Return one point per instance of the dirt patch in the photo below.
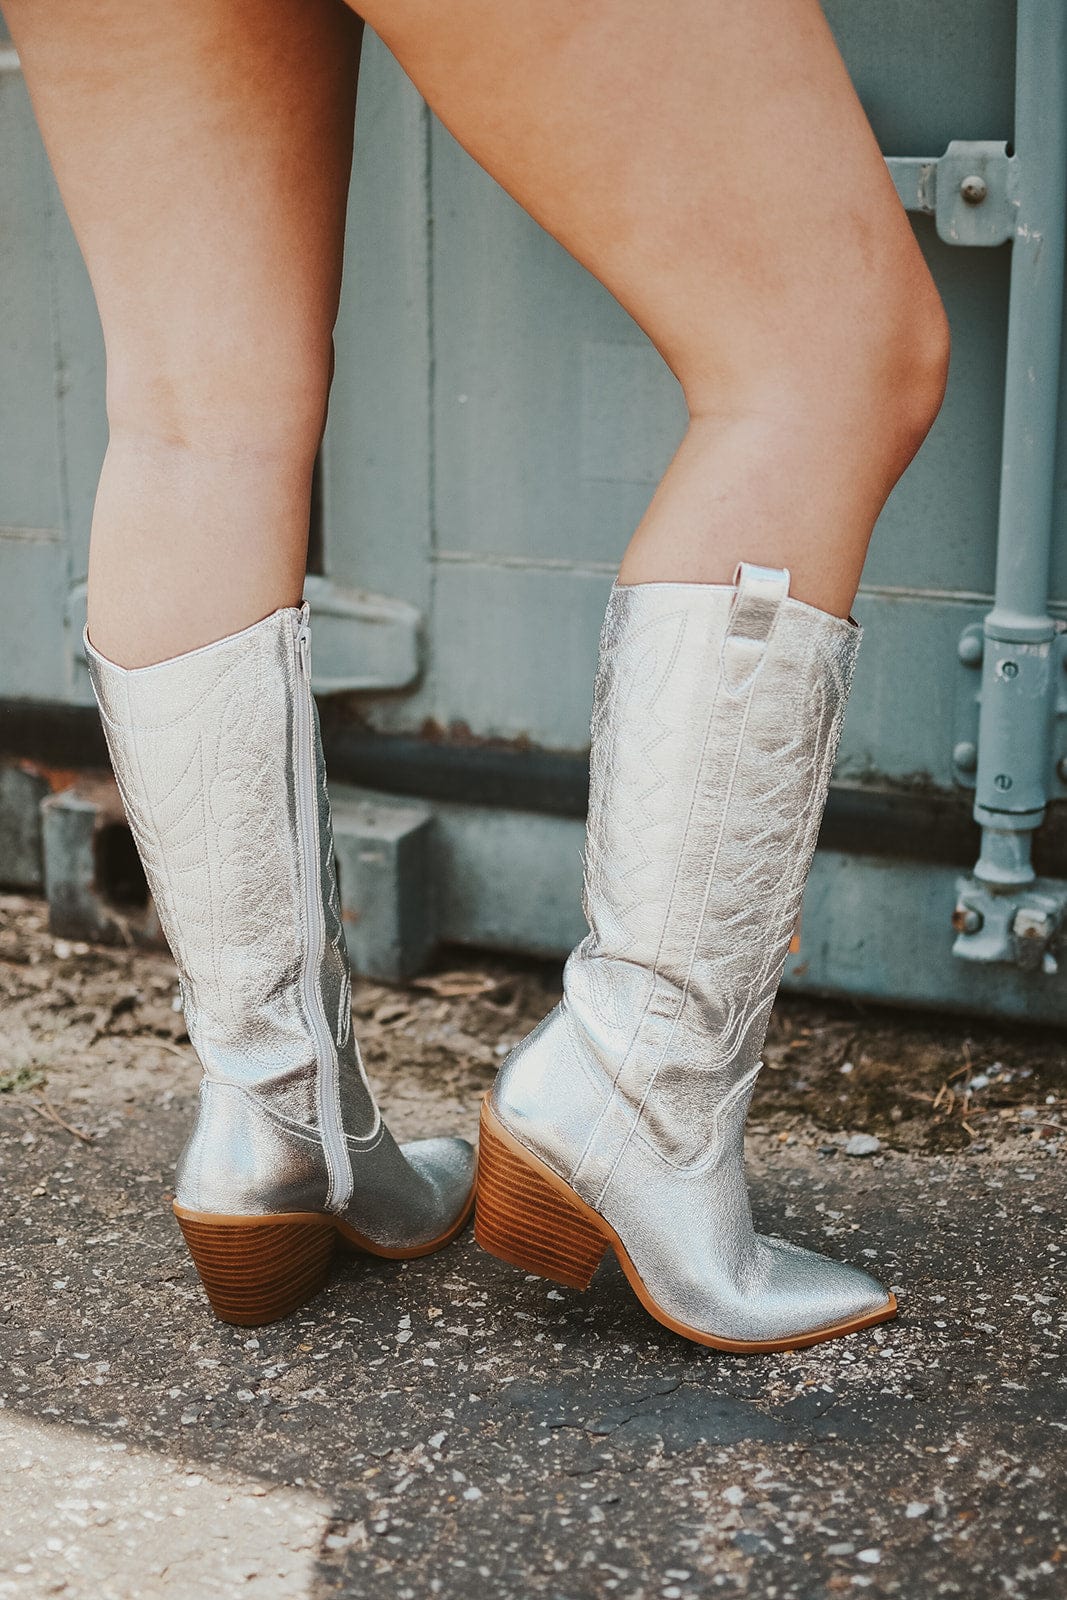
(921, 1083)
(79, 1021)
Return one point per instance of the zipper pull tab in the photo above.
(303, 638)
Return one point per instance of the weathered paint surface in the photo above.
(498, 426)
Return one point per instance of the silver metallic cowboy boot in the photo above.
(619, 1121)
(219, 760)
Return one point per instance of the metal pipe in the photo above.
(1019, 660)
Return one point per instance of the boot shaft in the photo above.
(218, 757)
(219, 762)
(717, 715)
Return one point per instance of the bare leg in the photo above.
(711, 164)
(203, 154)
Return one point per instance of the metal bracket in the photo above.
(362, 643)
(972, 191)
(970, 650)
(998, 917)
(1020, 928)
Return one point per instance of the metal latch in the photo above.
(968, 702)
(1021, 928)
(972, 191)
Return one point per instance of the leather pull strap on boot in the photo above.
(620, 1120)
(219, 762)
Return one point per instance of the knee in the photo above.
(908, 370)
(884, 364)
(859, 360)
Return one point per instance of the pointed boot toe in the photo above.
(448, 1166)
(806, 1297)
(411, 1199)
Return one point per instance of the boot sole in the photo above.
(531, 1218)
(258, 1269)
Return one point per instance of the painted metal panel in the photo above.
(927, 74)
(33, 555)
(377, 456)
(498, 426)
(878, 929)
(552, 417)
(52, 421)
(31, 484)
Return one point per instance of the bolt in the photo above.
(974, 189)
(1030, 923)
(1009, 669)
(971, 648)
(965, 755)
(1002, 781)
(965, 919)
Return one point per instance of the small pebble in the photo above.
(863, 1144)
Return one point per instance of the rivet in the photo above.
(974, 189)
(1002, 781)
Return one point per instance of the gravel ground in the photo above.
(451, 1428)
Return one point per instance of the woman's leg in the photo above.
(709, 161)
(711, 164)
(203, 154)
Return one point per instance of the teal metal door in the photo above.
(497, 428)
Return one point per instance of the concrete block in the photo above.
(93, 878)
(22, 788)
(385, 869)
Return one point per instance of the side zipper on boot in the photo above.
(334, 1148)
